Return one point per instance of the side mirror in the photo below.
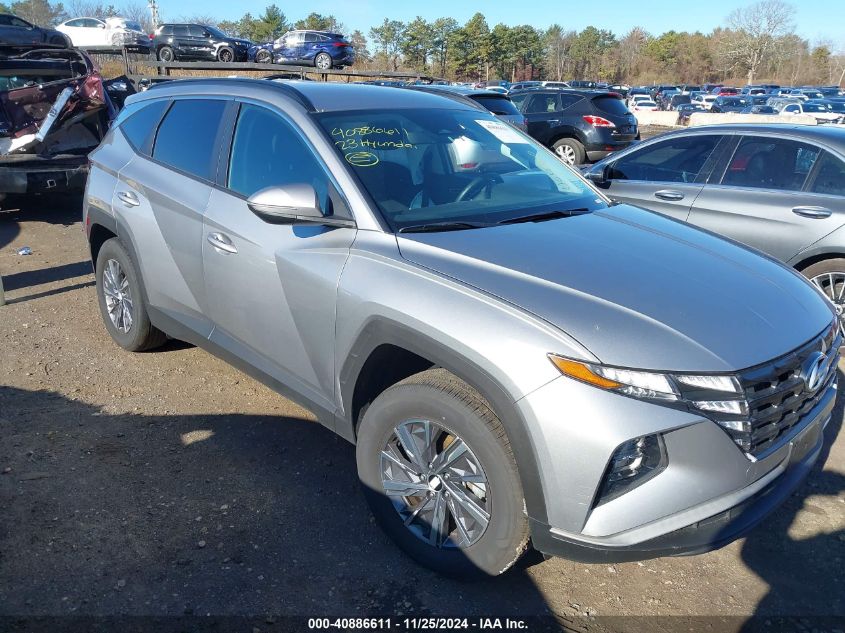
(292, 204)
(101, 26)
(600, 176)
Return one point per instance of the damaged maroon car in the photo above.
(54, 109)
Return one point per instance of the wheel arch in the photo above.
(566, 132)
(807, 259)
(407, 352)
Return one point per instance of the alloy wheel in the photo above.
(118, 296)
(833, 286)
(166, 55)
(226, 55)
(436, 484)
(324, 62)
(566, 154)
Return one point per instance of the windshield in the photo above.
(216, 32)
(424, 166)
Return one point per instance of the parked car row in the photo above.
(362, 249)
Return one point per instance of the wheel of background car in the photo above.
(323, 61)
(439, 475)
(570, 151)
(116, 39)
(122, 304)
(165, 54)
(829, 276)
(263, 57)
(225, 55)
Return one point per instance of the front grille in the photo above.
(778, 395)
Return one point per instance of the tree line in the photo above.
(757, 42)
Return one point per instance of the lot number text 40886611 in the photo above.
(417, 624)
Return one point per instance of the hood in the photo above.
(636, 288)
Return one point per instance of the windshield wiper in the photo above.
(434, 227)
(545, 215)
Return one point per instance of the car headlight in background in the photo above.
(716, 393)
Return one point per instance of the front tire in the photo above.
(439, 475)
(829, 276)
(323, 61)
(122, 303)
(263, 57)
(570, 151)
(226, 55)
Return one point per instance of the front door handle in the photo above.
(669, 194)
(812, 212)
(128, 198)
(221, 242)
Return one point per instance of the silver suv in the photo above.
(518, 361)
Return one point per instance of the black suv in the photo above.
(579, 125)
(198, 42)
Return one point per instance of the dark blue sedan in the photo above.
(320, 49)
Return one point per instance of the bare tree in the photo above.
(754, 33)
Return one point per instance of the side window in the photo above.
(180, 31)
(195, 30)
(519, 100)
(792, 108)
(141, 125)
(167, 30)
(567, 100)
(311, 37)
(267, 151)
(770, 163)
(541, 104)
(830, 176)
(186, 138)
(674, 160)
(20, 23)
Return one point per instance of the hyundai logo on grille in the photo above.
(813, 371)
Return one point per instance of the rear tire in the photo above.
(263, 57)
(323, 61)
(483, 544)
(127, 322)
(570, 151)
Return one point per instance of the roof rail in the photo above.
(289, 90)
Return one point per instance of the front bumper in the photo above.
(709, 495)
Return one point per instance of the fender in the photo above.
(380, 331)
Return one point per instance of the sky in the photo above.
(656, 16)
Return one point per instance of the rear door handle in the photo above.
(221, 242)
(668, 194)
(128, 198)
(812, 212)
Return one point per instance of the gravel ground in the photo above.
(168, 483)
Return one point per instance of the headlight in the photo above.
(720, 394)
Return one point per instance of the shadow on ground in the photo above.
(228, 515)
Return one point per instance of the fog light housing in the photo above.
(632, 464)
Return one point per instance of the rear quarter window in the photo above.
(498, 105)
(140, 125)
(610, 105)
